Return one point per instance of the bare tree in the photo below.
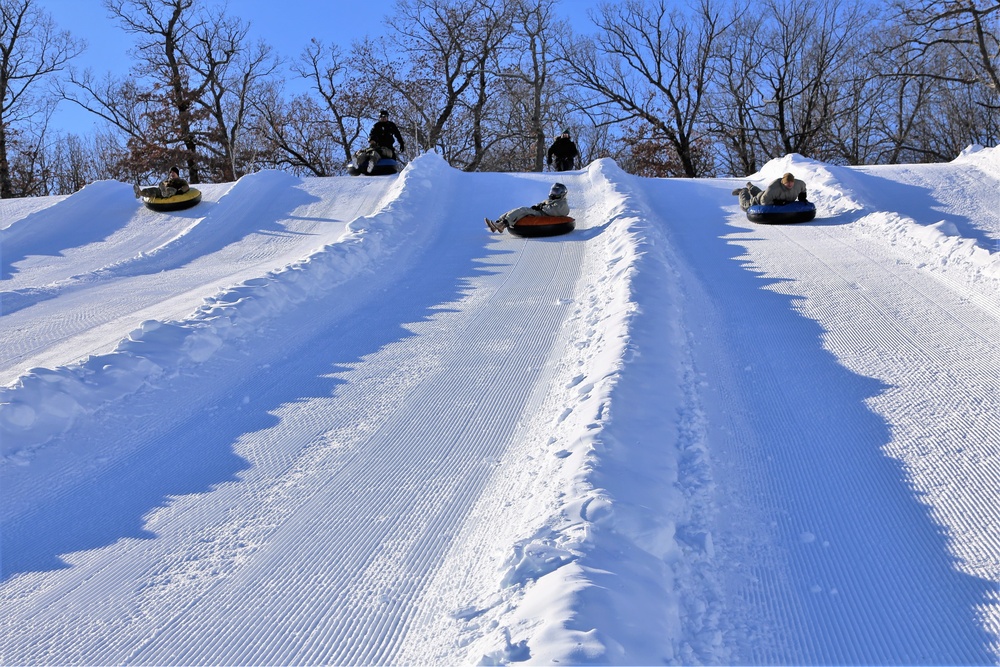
(733, 102)
(233, 72)
(30, 169)
(652, 63)
(855, 134)
(187, 97)
(429, 60)
(74, 164)
(494, 25)
(882, 110)
(532, 49)
(294, 135)
(32, 49)
(800, 76)
(165, 28)
(967, 30)
(345, 96)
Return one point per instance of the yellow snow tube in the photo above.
(175, 203)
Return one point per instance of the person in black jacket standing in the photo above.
(384, 132)
(564, 151)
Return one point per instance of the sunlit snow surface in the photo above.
(336, 421)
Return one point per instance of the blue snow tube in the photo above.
(386, 165)
(383, 167)
(782, 214)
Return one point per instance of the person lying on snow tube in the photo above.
(555, 205)
(780, 191)
(172, 185)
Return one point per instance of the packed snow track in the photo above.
(336, 421)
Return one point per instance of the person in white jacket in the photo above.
(556, 204)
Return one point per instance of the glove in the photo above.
(537, 207)
(802, 196)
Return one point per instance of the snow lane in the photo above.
(406, 470)
(938, 352)
(920, 346)
(73, 306)
(320, 554)
(839, 534)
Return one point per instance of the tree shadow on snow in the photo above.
(919, 204)
(111, 505)
(198, 453)
(219, 224)
(863, 575)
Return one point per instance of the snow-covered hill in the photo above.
(335, 421)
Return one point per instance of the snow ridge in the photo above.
(32, 233)
(671, 436)
(44, 403)
(613, 547)
(844, 193)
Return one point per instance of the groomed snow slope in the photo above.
(335, 421)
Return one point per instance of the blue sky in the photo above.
(288, 31)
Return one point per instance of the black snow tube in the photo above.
(782, 214)
(543, 225)
(175, 203)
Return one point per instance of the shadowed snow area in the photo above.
(336, 421)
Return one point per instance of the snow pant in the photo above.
(161, 192)
(749, 196)
(564, 163)
(366, 158)
(513, 215)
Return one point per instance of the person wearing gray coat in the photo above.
(781, 191)
(556, 205)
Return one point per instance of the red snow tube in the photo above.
(543, 225)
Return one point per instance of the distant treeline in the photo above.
(684, 89)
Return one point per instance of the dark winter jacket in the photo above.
(384, 132)
(563, 148)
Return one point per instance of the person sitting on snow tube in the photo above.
(780, 191)
(366, 158)
(555, 205)
(173, 185)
